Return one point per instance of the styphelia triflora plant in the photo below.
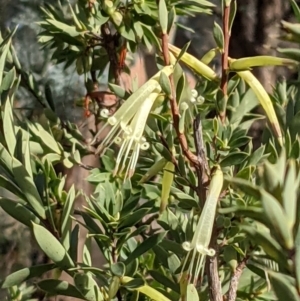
(184, 208)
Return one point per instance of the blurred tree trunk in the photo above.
(255, 32)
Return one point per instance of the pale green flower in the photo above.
(198, 248)
(128, 125)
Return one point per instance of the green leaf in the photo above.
(6, 162)
(218, 35)
(164, 280)
(230, 257)
(11, 187)
(8, 79)
(163, 16)
(134, 284)
(171, 18)
(4, 52)
(74, 239)
(52, 247)
(147, 290)
(292, 53)
(257, 155)
(297, 257)
(119, 91)
(26, 160)
(86, 284)
(183, 51)
(49, 96)
(234, 159)
(19, 212)
(221, 100)
(289, 194)
(40, 134)
(233, 10)
(66, 218)
(138, 30)
(59, 287)
(162, 150)
(277, 218)
(165, 83)
(87, 259)
(255, 213)
(114, 287)
(67, 29)
(20, 276)
(118, 269)
(248, 102)
(282, 287)
(8, 127)
(146, 245)
(180, 88)
(128, 33)
(296, 9)
(133, 218)
(246, 172)
(245, 186)
(267, 242)
(26, 184)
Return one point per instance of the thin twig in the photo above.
(175, 109)
(212, 269)
(203, 168)
(224, 79)
(234, 281)
(109, 44)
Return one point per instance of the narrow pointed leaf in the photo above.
(282, 287)
(296, 9)
(3, 56)
(17, 278)
(59, 287)
(52, 247)
(8, 127)
(66, 219)
(277, 218)
(163, 16)
(145, 246)
(26, 184)
(19, 212)
(147, 290)
(167, 181)
(218, 35)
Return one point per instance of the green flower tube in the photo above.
(199, 246)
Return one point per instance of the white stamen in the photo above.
(104, 113)
(194, 93)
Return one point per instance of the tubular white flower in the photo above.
(199, 246)
(128, 124)
(132, 137)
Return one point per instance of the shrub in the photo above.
(184, 207)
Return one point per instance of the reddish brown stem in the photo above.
(175, 109)
(224, 79)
